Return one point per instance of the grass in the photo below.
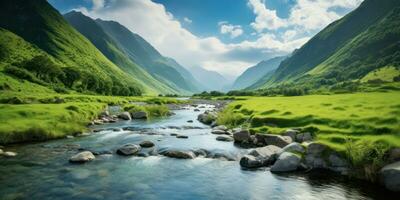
(373, 117)
(38, 122)
(152, 110)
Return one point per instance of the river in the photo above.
(42, 171)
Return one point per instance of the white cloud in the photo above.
(187, 20)
(159, 27)
(233, 30)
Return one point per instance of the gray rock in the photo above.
(260, 157)
(224, 138)
(241, 136)
(207, 117)
(277, 140)
(286, 162)
(196, 110)
(394, 155)
(221, 156)
(182, 136)
(201, 152)
(338, 164)
(304, 137)
(291, 133)
(129, 149)
(9, 154)
(220, 127)
(189, 121)
(294, 147)
(249, 161)
(125, 116)
(173, 134)
(218, 132)
(69, 137)
(390, 176)
(146, 144)
(139, 115)
(82, 157)
(180, 154)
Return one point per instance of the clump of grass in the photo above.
(152, 110)
(230, 118)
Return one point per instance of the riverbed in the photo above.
(42, 170)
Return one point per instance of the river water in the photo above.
(42, 171)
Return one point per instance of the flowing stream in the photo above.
(42, 171)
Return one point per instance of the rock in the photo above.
(249, 161)
(224, 138)
(9, 154)
(260, 157)
(304, 137)
(314, 155)
(338, 164)
(1, 151)
(82, 157)
(390, 176)
(241, 136)
(117, 129)
(207, 117)
(201, 152)
(196, 110)
(316, 148)
(394, 155)
(220, 127)
(222, 156)
(179, 154)
(218, 132)
(125, 116)
(189, 121)
(129, 149)
(286, 162)
(69, 137)
(146, 144)
(139, 115)
(104, 113)
(277, 140)
(182, 136)
(294, 148)
(291, 133)
(173, 134)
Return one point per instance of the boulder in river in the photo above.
(394, 155)
(260, 157)
(125, 116)
(189, 121)
(390, 176)
(218, 132)
(286, 162)
(241, 136)
(277, 140)
(128, 149)
(304, 137)
(207, 117)
(224, 138)
(182, 136)
(179, 154)
(146, 144)
(82, 157)
(9, 154)
(139, 115)
(291, 133)
(294, 148)
(220, 127)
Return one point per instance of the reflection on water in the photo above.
(42, 171)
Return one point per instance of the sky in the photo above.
(226, 36)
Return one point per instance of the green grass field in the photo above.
(335, 119)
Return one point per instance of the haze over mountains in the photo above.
(103, 57)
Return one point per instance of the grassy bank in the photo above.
(355, 124)
(26, 117)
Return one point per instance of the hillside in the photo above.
(91, 30)
(85, 67)
(211, 80)
(348, 49)
(145, 55)
(255, 73)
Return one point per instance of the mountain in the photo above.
(111, 49)
(254, 73)
(211, 80)
(73, 59)
(144, 54)
(348, 49)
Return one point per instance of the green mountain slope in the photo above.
(91, 30)
(255, 73)
(39, 23)
(142, 53)
(347, 49)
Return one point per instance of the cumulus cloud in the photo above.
(187, 20)
(233, 30)
(159, 27)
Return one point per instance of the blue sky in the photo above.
(226, 36)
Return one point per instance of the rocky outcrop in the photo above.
(139, 115)
(314, 156)
(260, 157)
(129, 149)
(390, 176)
(286, 162)
(179, 154)
(298, 136)
(224, 138)
(125, 116)
(82, 157)
(207, 117)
